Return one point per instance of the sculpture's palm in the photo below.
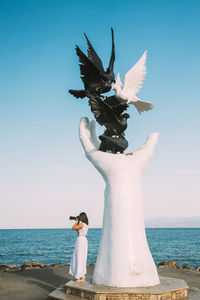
(124, 259)
(110, 161)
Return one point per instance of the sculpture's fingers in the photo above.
(85, 136)
(151, 141)
(145, 153)
(94, 139)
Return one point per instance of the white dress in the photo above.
(79, 258)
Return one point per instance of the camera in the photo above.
(74, 218)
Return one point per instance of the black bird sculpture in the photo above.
(95, 79)
(108, 112)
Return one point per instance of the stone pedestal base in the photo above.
(168, 289)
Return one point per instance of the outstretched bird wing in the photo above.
(93, 56)
(118, 81)
(134, 78)
(90, 73)
(104, 113)
(112, 58)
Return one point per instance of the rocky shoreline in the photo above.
(39, 265)
(29, 265)
(173, 264)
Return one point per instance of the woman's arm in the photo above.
(77, 226)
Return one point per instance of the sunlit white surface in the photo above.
(124, 258)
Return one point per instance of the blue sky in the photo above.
(44, 175)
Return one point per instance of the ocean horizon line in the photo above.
(146, 227)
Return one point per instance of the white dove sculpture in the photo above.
(133, 81)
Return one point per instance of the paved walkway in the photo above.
(36, 284)
(32, 284)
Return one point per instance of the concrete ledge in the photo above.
(60, 294)
(168, 289)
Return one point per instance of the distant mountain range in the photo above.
(193, 222)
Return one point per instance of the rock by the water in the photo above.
(167, 264)
(197, 268)
(12, 266)
(179, 267)
(56, 265)
(187, 267)
(4, 268)
(30, 265)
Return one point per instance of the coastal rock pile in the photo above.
(167, 264)
(31, 265)
(38, 265)
(173, 264)
(5, 268)
(28, 265)
(187, 267)
(56, 265)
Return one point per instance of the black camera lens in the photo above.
(73, 218)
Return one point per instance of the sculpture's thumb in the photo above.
(145, 153)
(85, 136)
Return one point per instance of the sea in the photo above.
(50, 246)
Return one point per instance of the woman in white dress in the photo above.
(79, 258)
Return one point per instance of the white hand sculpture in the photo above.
(124, 258)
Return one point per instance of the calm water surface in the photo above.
(49, 246)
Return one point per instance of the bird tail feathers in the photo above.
(142, 105)
(78, 93)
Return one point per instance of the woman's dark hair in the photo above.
(84, 218)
